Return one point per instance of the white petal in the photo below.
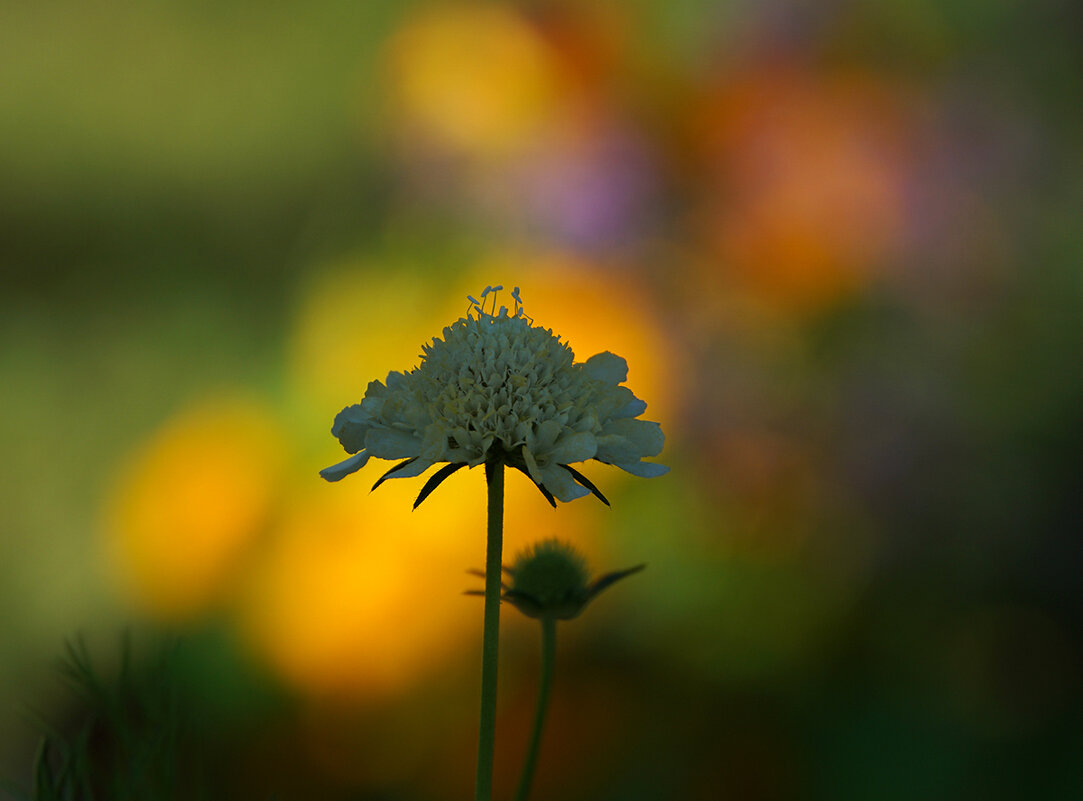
(644, 469)
(531, 464)
(389, 443)
(375, 389)
(350, 427)
(544, 436)
(645, 436)
(632, 408)
(560, 482)
(573, 448)
(337, 472)
(613, 448)
(607, 367)
(434, 443)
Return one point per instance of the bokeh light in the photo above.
(191, 502)
(442, 81)
(355, 324)
(356, 596)
(808, 181)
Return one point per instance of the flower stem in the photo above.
(549, 649)
(494, 475)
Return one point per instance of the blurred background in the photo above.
(839, 246)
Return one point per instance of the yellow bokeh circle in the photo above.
(475, 77)
(189, 503)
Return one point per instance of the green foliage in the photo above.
(132, 739)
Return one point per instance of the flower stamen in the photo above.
(520, 309)
(493, 290)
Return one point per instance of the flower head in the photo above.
(551, 580)
(499, 388)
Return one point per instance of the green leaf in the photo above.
(44, 788)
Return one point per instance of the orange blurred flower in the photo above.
(805, 182)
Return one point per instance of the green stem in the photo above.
(549, 649)
(494, 475)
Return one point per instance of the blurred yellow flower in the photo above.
(189, 503)
(352, 600)
(473, 77)
(355, 322)
(357, 597)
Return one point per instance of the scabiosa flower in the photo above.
(499, 388)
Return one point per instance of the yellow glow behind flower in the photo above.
(359, 597)
(346, 592)
(355, 325)
(189, 503)
(351, 601)
(594, 313)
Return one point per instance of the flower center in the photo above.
(497, 376)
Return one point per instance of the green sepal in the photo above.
(391, 473)
(608, 579)
(583, 481)
(436, 479)
(541, 487)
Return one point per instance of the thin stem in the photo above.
(494, 474)
(549, 649)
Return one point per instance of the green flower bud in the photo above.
(551, 580)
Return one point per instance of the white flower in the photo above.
(498, 388)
